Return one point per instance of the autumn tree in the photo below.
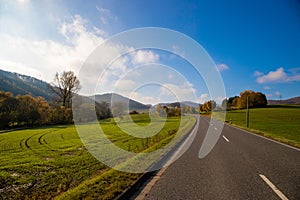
(65, 85)
(208, 106)
(177, 111)
(28, 110)
(232, 102)
(43, 109)
(8, 109)
(255, 100)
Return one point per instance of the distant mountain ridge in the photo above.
(181, 104)
(294, 100)
(19, 84)
(113, 97)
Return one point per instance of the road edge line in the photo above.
(264, 137)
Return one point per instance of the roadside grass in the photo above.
(280, 122)
(43, 163)
(113, 182)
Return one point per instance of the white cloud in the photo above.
(294, 78)
(106, 15)
(125, 85)
(267, 87)
(23, 1)
(144, 99)
(258, 73)
(222, 67)
(278, 76)
(273, 76)
(174, 92)
(220, 99)
(42, 58)
(203, 98)
(144, 57)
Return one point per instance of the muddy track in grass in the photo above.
(20, 143)
(24, 143)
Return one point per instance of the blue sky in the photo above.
(255, 44)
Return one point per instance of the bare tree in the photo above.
(65, 85)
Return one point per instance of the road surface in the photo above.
(241, 166)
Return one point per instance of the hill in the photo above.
(181, 104)
(295, 100)
(133, 105)
(19, 84)
(191, 104)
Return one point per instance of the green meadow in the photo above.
(281, 123)
(52, 162)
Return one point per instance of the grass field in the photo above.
(52, 162)
(281, 123)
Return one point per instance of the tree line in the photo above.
(207, 106)
(26, 110)
(174, 110)
(254, 99)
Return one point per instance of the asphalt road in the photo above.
(241, 166)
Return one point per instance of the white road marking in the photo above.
(273, 187)
(225, 138)
(291, 147)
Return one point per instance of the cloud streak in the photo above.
(277, 76)
(222, 67)
(144, 57)
(42, 58)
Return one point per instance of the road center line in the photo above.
(225, 138)
(273, 187)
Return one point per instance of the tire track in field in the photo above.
(20, 143)
(41, 141)
(26, 141)
(37, 143)
(48, 145)
(41, 137)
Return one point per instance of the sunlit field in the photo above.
(48, 162)
(279, 122)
